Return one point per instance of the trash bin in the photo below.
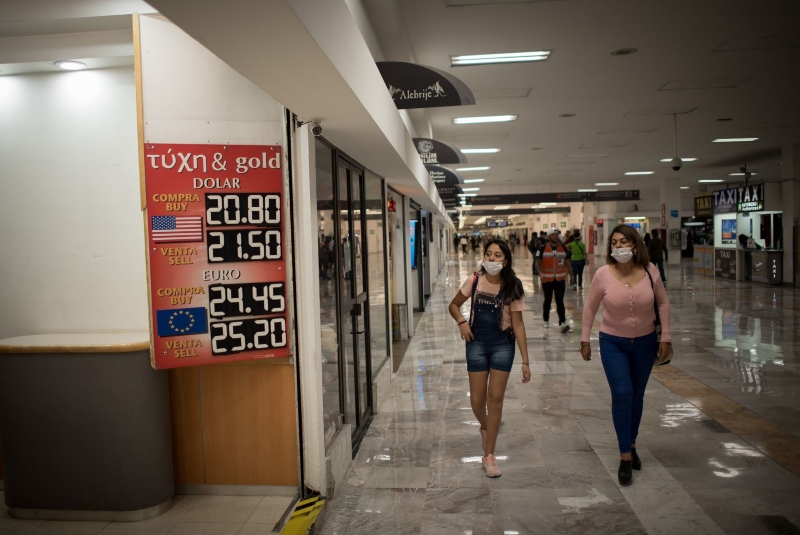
(399, 322)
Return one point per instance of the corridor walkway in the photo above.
(720, 436)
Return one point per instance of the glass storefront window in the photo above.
(376, 240)
(329, 263)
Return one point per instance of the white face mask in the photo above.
(623, 254)
(492, 268)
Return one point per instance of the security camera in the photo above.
(316, 129)
(677, 163)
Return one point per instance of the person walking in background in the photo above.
(658, 254)
(628, 287)
(495, 322)
(577, 258)
(553, 265)
(647, 239)
(512, 243)
(463, 244)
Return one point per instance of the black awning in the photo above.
(435, 152)
(418, 86)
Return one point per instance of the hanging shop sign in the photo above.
(725, 263)
(703, 205)
(725, 200)
(434, 152)
(571, 196)
(418, 86)
(447, 191)
(751, 198)
(216, 255)
(443, 175)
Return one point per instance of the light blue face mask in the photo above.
(492, 268)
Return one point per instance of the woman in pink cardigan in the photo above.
(628, 286)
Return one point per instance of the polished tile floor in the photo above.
(719, 441)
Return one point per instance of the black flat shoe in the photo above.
(625, 473)
(636, 462)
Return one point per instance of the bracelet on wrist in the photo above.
(585, 344)
(526, 363)
(460, 323)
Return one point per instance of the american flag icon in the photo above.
(170, 228)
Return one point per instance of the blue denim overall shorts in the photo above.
(492, 346)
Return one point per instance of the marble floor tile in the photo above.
(397, 478)
(683, 524)
(65, 527)
(137, 528)
(230, 509)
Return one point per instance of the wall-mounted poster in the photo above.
(412, 236)
(728, 231)
(216, 254)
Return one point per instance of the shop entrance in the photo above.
(353, 303)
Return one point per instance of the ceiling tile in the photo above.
(719, 83)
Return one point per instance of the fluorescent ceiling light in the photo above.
(633, 173)
(486, 119)
(635, 218)
(548, 203)
(734, 140)
(474, 180)
(470, 189)
(588, 190)
(684, 187)
(509, 57)
(668, 160)
(70, 65)
(483, 168)
(466, 194)
(711, 181)
(607, 184)
(479, 151)
(502, 207)
(741, 174)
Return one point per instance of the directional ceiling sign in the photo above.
(570, 196)
(434, 152)
(417, 86)
(520, 211)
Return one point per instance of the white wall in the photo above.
(72, 258)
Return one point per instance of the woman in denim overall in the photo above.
(495, 323)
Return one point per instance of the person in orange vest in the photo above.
(552, 262)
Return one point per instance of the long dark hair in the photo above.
(511, 283)
(640, 256)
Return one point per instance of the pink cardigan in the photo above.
(627, 311)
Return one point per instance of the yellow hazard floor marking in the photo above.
(303, 517)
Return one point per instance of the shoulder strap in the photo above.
(475, 278)
(655, 302)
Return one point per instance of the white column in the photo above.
(790, 167)
(670, 196)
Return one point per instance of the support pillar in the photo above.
(670, 196)
(790, 190)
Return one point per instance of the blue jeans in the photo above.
(577, 272)
(627, 363)
(497, 354)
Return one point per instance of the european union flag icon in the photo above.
(181, 321)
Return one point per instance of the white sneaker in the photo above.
(546, 324)
(564, 327)
(490, 466)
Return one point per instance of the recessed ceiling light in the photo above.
(479, 151)
(684, 187)
(734, 139)
(509, 57)
(466, 194)
(548, 203)
(485, 119)
(668, 160)
(482, 168)
(710, 181)
(470, 189)
(741, 174)
(70, 65)
(624, 51)
(607, 184)
(502, 207)
(587, 190)
(474, 180)
(633, 173)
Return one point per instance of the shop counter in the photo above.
(703, 262)
(766, 266)
(85, 427)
